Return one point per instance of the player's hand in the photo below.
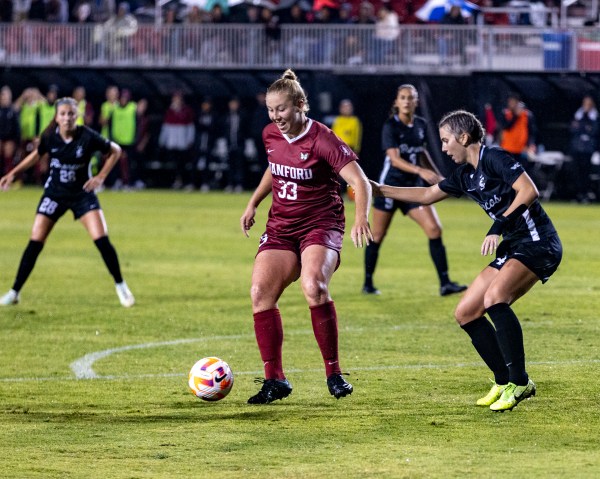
(6, 181)
(490, 245)
(429, 176)
(247, 220)
(93, 183)
(361, 234)
(375, 188)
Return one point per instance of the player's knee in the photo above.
(433, 232)
(495, 296)
(259, 295)
(378, 236)
(463, 314)
(314, 290)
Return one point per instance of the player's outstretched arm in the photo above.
(261, 192)
(26, 163)
(425, 195)
(358, 181)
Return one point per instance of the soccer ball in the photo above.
(210, 379)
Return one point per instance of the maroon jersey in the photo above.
(306, 190)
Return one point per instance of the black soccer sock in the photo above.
(30, 255)
(483, 337)
(437, 250)
(510, 339)
(109, 255)
(371, 255)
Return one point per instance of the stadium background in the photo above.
(553, 97)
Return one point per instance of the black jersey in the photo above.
(69, 160)
(410, 141)
(490, 185)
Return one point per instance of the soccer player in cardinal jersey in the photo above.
(304, 231)
(529, 252)
(407, 163)
(69, 187)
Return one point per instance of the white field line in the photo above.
(83, 367)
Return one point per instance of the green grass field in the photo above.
(415, 373)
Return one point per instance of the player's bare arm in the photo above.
(27, 163)
(356, 178)
(262, 191)
(420, 194)
(97, 181)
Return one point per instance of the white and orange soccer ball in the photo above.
(210, 379)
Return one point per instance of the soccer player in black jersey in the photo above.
(403, 140)
(68, 187)
(529, 252)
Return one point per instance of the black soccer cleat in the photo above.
(370, 289)
(272, 389)
(338, 386)
(452, 288)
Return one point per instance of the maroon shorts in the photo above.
(331, 239)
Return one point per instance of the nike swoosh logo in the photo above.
(270, 151)
(218, 379)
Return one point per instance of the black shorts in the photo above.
(542, 257)
(54, 206)
(390, 205)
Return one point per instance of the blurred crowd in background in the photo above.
(206, 144)
(269, 12)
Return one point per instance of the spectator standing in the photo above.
(260, 119)
(86, 115)
(177, 138)
(10, 130)
(46, 113)
(140, 148)
(452, 40)
(106, 110)
(234, 131)
(123, 132)
(28, 105)
(518, 130)
(348, 126)
(46, 109)
(387, 32)
(206, 131)
(584, 130)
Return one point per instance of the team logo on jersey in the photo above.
(345, 150)
(481, 182)
(304, 156)
(263, 240)
(421, 134)
(79, 152)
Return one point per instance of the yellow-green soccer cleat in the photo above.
(512, 396)
(491, 397)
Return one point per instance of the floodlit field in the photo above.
(90, 389)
